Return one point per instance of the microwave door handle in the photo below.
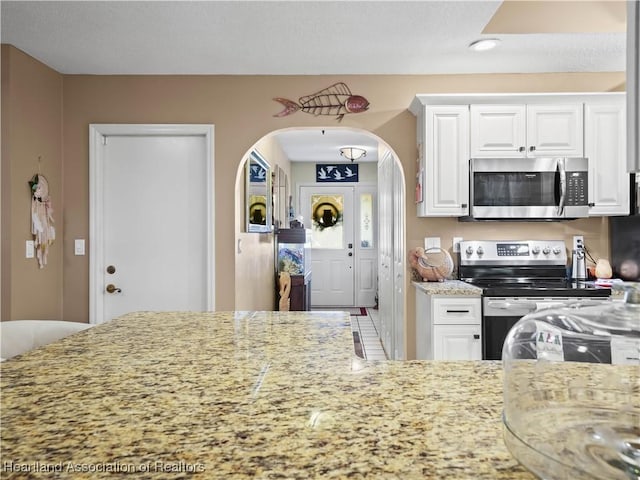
(562, 173)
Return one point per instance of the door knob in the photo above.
(111, 288)
(350, 254)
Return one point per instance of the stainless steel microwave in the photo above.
(545, 188)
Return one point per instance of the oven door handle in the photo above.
(530, 306)
(504, 305)
(562, 174)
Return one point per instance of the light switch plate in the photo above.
(456, 244)
(30, 250)
(78, 247)
(431, 242)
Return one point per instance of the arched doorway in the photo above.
(293, 154)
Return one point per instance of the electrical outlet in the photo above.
(578, 241)
(456, 244)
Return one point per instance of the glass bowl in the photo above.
(572, 390)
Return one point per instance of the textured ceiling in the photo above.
(316, 37)
(294, 37)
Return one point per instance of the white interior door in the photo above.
(328, 212)
(152, 238)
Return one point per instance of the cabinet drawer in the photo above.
(456, 311)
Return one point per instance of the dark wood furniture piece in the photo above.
(300, 294)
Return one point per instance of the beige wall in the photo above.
(242, 109)
(31, 128)
(254, 253)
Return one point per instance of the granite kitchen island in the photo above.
(245, 395)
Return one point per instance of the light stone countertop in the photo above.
(449, 287)
(245, 395)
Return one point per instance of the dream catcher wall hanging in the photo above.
(41, 217)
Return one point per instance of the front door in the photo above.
(151, 244)
(328, 212)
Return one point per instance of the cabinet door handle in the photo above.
(532, 148)
(457, 311)
(521, 149)
(476, 337)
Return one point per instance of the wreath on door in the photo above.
(42, 227)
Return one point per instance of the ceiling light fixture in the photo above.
(353, 153)
(484, 44)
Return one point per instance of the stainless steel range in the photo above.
(518, 277)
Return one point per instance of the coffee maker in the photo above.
(578, 260)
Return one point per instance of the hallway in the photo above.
(367, 335)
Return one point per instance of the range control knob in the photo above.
(556, 250)
(546, 250)
(469, 250)
(535, 250)
(480, 250)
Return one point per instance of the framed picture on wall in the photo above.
(341, 172)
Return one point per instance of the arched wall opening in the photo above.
(255, 270)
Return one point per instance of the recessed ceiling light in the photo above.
(484, 44)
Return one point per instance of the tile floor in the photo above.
(370, 341)
(370, 347)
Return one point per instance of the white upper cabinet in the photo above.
(443, 166)
(498, 130)
(527, 130)
(605, 147)
(555, 130)
(454, 128)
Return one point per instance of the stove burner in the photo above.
(537, 287)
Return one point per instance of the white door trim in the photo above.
(97, 132)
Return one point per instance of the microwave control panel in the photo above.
(577, 185)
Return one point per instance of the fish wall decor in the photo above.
(334, 100)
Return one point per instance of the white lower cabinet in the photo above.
(448, 327)
(457, 342)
